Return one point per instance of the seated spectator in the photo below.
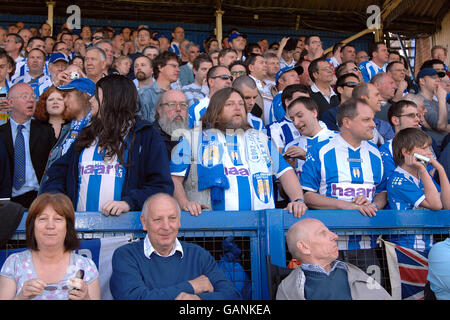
(171, 115)
(216, 187)
(344, 87)
(321, 73)
(50, 108)
(438, 110)
(113, 141)
(47, 269)
(410, 186)
(198, 90)
(185, 271)
(321, 276)
(386, 87)
(370, 94)
(438, 269)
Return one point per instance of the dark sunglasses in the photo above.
(351, 84)
(441, 74)
(224, 77)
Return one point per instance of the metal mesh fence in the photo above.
(238, 270)
(371, 255)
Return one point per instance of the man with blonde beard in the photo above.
(171, 114)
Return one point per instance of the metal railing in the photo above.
(259, 233)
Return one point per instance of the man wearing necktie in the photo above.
(28, 143)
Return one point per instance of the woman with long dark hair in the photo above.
(118, 161)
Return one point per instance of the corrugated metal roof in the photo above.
(408, 17)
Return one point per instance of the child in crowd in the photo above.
(410, 186)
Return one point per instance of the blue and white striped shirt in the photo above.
(99, 180)
(369, 69)
(335, 169)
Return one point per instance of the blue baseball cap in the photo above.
(58, 56)
(299, 70)
(159, 35)
(81, 84)
(426, 72)
(234, 35)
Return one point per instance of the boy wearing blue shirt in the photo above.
(411, 186)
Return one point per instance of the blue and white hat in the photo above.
(299, 70)
(81, 84)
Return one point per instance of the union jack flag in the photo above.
(408, 270)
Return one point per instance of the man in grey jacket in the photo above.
(321, 276)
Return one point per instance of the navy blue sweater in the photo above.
(147, 174)
(319, 286)
(135, 277)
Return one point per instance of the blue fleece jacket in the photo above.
(147, 174)
(136, 277)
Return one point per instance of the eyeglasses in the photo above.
(410, 115)
(174, 105)
(26, 96)
(351, 84)
(441, 74)
(223, 77)
(242, 73)
(176, 66)
(98, 38)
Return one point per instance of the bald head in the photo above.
(298, 232)
(156, 200)
(18, 87)
(310, 241)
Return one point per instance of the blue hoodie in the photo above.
(147, 174)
